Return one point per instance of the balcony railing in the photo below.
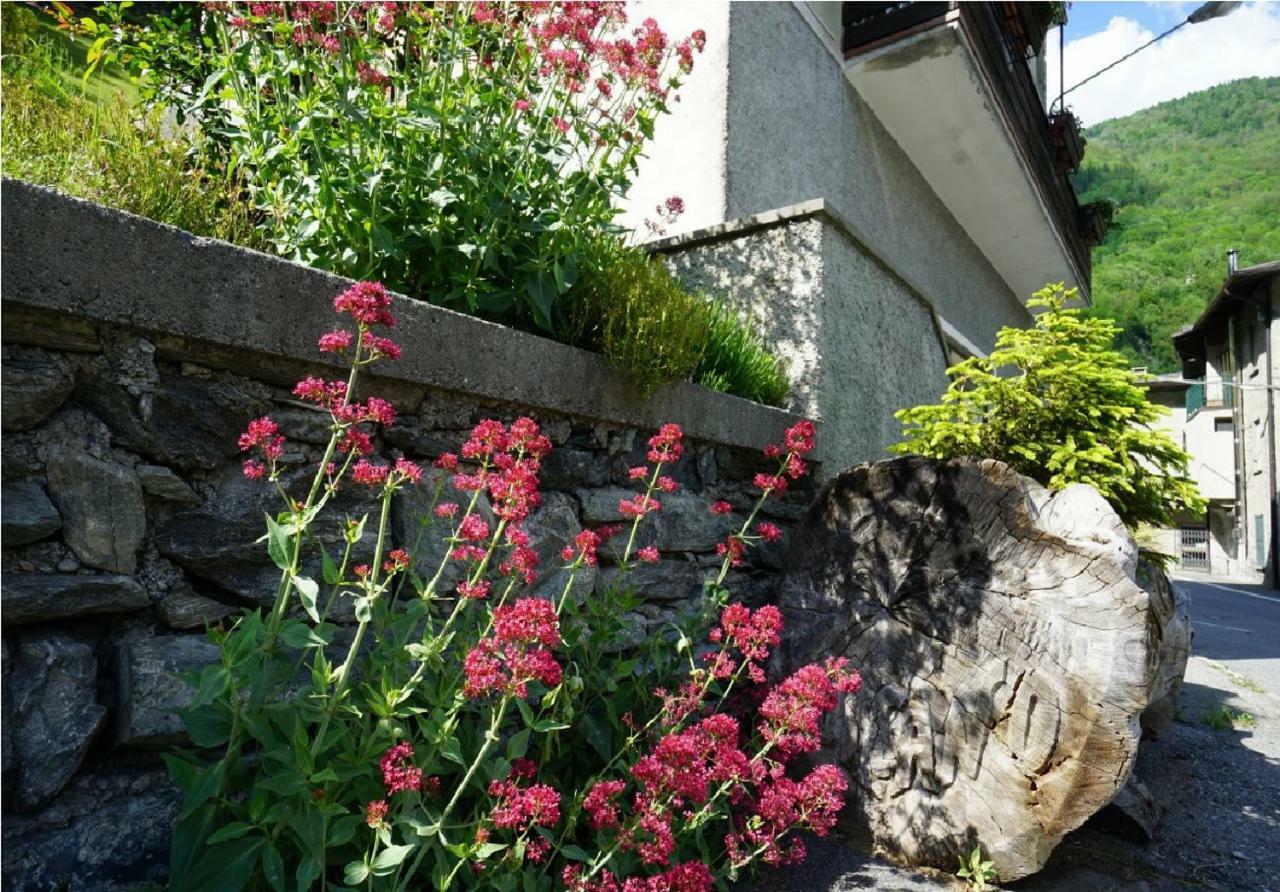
(1214, 394)
(1002, 36)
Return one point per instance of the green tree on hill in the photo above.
(1192, 177)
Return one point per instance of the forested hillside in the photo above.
(1192, 178)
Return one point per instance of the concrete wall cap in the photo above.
(75, 258)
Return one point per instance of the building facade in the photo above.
(1232, 357)
(875, 184)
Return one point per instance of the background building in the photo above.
(878, 185)
(1232, 354)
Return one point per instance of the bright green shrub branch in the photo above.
(1059, 404)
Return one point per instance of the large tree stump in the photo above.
(1007, 654)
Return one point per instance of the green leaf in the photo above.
(328, 568)
(208, 726)
(273, 868)
(227, 867)
(389, 859)
(574, 853)
(309, 871)
(308, 591)
(278, 545)
(205, 786)
(234, 830)
(356, 873)
(518, 745)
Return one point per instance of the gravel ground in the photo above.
(1219, 789)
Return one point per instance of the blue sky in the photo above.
(1245, 43)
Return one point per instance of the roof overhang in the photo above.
(1239, 289)
(931, 92)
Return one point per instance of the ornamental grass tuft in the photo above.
(636, 312)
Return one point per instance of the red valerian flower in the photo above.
(770, 483)
(371, 76)
(474, 529)
(584, 548)
(369, 474)
(367, 303)
(601, 805)
(337, 341)
(648, 554)
(375, 813)
(254, 469)
(517, 653)
(263, 434)
(520, 808)
(398, 771)
(667, 484)
(791, 711)
(734, 548)
(446, 509)
(397, 559)
(783, 805)
(324, 393)
(665, 446)
(377, 347)
(408, 471)
(638, 506)
(721, 507)
(474, 590)
(800, 437)
(768, 531)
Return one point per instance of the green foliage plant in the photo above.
(1224, 718)
(632, 309)
(1059, 404)
(463, 153)
(977, 874)
(737, 361)
(467, 732)
(98, 147)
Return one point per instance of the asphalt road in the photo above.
(1238, 626)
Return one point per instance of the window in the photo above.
(1222, 425)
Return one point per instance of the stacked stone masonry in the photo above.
(128, 526)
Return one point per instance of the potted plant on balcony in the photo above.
(1095, 220)
(1066, 140)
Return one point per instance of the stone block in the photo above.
(103, 515)
(40, 597)
(28, 514)
(35, 384)
(151, 688)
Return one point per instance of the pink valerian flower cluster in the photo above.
(753, 634)
(700, 760)
(368, 304)
(791, 712)
(667, 214)
(520, 808)
(510, 459)
(399, 775)
(516, 653)
(665, 447)
(783, 805)
(797, 441)
(263, 437)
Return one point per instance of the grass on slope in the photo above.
(1192, 177)
(88, 138)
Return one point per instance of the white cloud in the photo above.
(1245, 43)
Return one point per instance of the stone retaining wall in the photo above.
(134, 354)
